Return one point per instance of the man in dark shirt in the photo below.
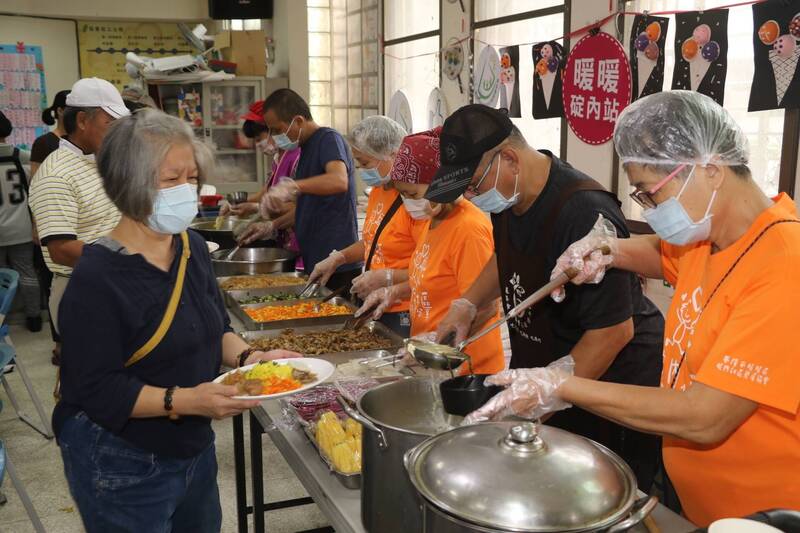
(539, 206)
(323, 188)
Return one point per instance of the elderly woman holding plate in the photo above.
(144, 333)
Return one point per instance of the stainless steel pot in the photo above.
(222, 235)
(519, 477)
(249, 261)
(396, 417)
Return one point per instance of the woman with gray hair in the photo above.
(388, 237)
(728, 402)
(144, 333)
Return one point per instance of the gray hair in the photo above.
(132, 152)
(377, 136)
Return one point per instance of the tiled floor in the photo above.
(38, 461)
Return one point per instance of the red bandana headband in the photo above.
(417, 159)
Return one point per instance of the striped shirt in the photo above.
(69, 202)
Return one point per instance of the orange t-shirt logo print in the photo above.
(679, 342)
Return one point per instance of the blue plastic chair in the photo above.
(9, 280)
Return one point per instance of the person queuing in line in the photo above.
(70, 207)
(389, 235)
(539, 205)
(284, 164)
(454, 244)
(729, 396)
(16, 237)
(323, 189)
(135, 430)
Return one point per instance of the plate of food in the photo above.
(268, 380)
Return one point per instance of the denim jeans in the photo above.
(121, 488)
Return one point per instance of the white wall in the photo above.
(278, 29)
(452, 22)
(297, 42)
(110, 9)
(59, 47)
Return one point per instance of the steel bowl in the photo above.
(222, 235)
(249, 261)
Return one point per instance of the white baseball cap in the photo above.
(94, 92)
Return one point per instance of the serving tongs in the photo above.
(331, 296)
(309, 291)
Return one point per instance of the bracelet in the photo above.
(168, 402)
(389, 277)
(244, 355)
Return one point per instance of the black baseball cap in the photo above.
(466, 135)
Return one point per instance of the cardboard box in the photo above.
(246, 49)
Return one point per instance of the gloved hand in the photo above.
(286, 190)
(530, 392)
(586, 256)
(459, 319)
(326, 268)
(256, 231)
(372, 280)
(244, 209)
(379, 300)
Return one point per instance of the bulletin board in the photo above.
(103, 46)
(22, 92)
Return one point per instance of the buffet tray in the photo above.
(349, 481)
(251, 325)
(232, 297)
(295, 274)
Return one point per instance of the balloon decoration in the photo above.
(648, 39)
(776, 43)
(702, 38)
(509, 81)
(548, 58)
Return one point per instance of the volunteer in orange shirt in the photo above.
(730, 387)
(455, 242)
(385, 247)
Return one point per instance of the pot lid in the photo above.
(522, 477)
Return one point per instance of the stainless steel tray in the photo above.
(349, 481)
(336, 357)
(222, 279)
(251, 325)
(232, 297)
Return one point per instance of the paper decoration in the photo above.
(548, 74)
(22, 92)
(453, 62)
(701, 52)
(647, 45)
(437, 108)
(487, 77)
(400, 110)
(597, 87)
(776, 50)
(509, 81)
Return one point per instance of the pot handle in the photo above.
(355, 415)
(642, 508)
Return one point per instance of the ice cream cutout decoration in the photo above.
(699, 51)
(784, 53)
(508, 78)
(547, 69)
(647, 52)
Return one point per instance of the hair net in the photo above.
(377, 136)
(677, 127)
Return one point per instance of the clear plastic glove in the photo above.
(587, 256)
(379, 301)
(244, 209)
(372, 280)
(326, 268)
(530, 392)
(459, 319)
(285, 191)
(256, 231)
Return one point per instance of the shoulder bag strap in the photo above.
(386, 218)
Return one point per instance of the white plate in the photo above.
(740, 525)
(212, 246)
(323, 369)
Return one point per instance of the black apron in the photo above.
(532, 338)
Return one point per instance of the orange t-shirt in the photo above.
(744, 343)
(446, 262)
(397, 240)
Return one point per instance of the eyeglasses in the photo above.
(472, 190)
(645, 198)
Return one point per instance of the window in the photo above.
(543, 24)
(764, 129)
(411, 58)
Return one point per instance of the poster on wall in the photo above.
(702, 64)
(487, 77)
(648, 42)
(509, 81)
(776, 50)
(22, 92)
(548, 76)
(597, 87)
(103, 45)
(400, 110)
(437, 108)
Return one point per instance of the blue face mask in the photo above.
(174, 209)
(493, 201)
(283, 142)
(672, 223)
(372, 178)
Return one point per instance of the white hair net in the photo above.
(377, 136)
(676, 127)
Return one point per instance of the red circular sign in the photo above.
(597, 87)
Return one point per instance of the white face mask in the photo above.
(493, 201)
(174, 209)
(266, 147)
(420, 208)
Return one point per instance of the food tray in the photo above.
(232, 297)
(349, 481)
(251, 325)
(221, 279)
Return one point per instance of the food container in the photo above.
(463, 394)
(522, 477)
(300, 277)
(234, 297)
(222, 235)
(252, 325)
(249, 261)
(349, 481)
(210, 200)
